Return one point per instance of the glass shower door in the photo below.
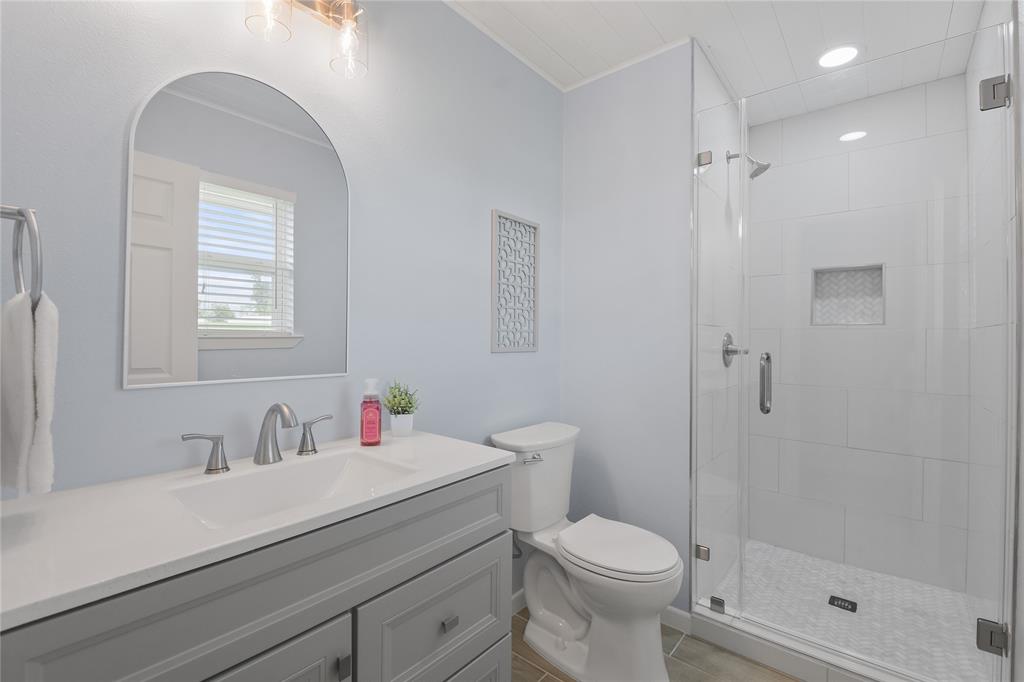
(867, 516)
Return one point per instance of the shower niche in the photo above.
(845, 296)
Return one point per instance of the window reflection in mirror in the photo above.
(237, 248)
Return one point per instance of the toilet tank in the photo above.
(541, 474)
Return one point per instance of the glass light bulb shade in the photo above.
(270, 20)
(349, 39)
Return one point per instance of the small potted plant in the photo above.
(402, 404)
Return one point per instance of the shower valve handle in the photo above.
(730, 350)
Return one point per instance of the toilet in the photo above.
(595, 588)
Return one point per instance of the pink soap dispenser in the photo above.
(369, 415)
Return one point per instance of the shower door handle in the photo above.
(765, 395)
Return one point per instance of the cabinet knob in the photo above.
(449, 624)
(344, 667)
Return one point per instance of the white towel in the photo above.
(17, 392)
(28, 376)
(40, 456)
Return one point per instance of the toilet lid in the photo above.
(538, 437)
(617, 547)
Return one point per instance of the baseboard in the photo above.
(676, 618)
(518, 600)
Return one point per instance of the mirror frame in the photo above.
(125, 260)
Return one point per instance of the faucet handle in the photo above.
(218, 461)
(307, 446)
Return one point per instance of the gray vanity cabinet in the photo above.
(324, 654)
(295, 610)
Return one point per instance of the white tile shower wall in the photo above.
(907, 548)
(865, 458)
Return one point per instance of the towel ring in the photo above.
(26, 218)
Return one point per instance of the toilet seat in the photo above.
(618, 550)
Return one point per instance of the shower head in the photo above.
(759, 166)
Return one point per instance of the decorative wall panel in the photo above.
(514, 251)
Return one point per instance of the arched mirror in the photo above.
(237, 245)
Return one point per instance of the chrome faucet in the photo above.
(267, 451)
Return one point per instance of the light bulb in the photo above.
(349, 53)
(349, 40)
(270, 20)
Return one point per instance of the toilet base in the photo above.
(635, 656)
(563, 627)
(567, 656)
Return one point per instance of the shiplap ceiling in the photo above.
(763, 48)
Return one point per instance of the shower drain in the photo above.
(844, 604)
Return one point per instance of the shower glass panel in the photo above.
(719, 196)
(864, 517)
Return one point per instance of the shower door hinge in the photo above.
(704, 159)
(717, 604)
(993, 637)
(994, 92)
(701, 552)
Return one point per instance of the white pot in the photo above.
(401, 425)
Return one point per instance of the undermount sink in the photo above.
(236, 497)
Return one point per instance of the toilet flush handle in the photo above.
(534, 458)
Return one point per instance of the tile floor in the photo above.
(687, 659)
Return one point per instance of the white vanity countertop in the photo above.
(69, 548)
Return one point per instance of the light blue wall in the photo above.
(626, 318)
(441, 132)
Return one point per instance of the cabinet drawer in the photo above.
(434, 625)
(324, 654)
(493, 665)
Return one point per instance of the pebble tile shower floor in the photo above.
(921, 630)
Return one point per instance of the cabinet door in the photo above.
(323, 654)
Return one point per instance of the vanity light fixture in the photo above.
(271, 20)
(837, 57)
(852, 135)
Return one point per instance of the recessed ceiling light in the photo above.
(853, 135)
(837, 57)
